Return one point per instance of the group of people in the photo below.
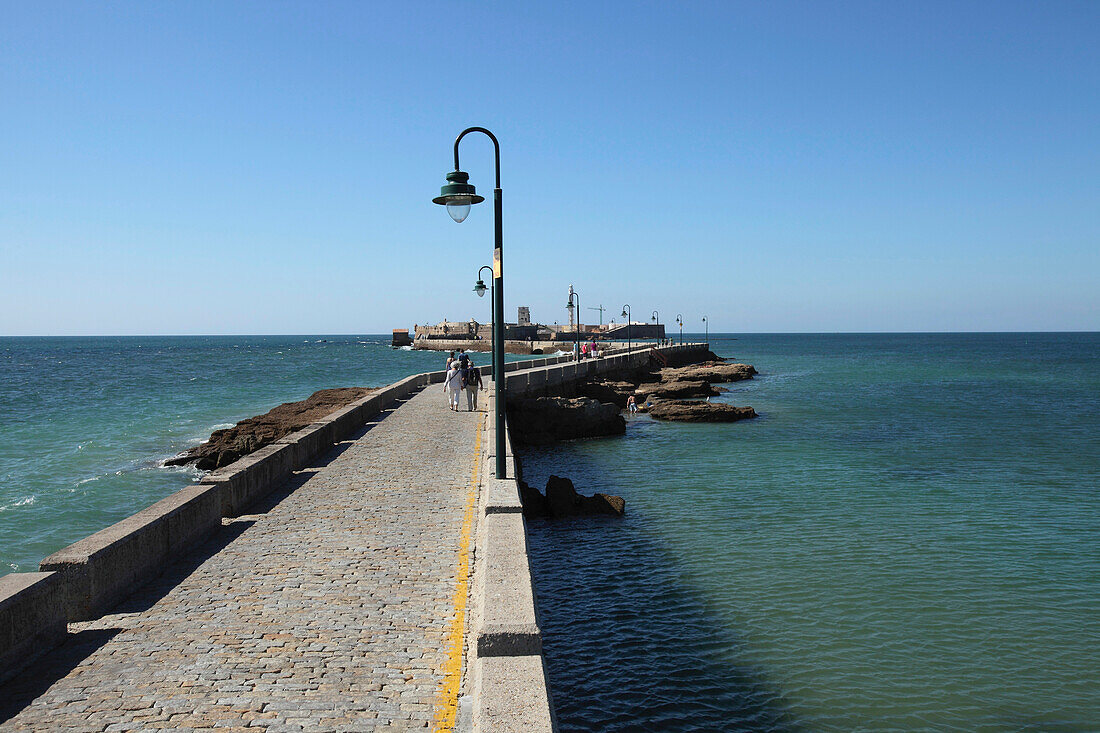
(589, 349)
(462, 376)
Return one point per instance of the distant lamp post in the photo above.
(480, 289)
(657, 320)
(457, 195)
(706, 326)
(626, 315)
(680, 320)
(576, 334)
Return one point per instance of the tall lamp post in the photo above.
(576, 334)
(657, 320)
(680, 320)
(706, 325)
(457, 195)
(626, 315)
(480, 289)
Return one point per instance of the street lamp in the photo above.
(657, 320)
(680, 320)
(457, 195)
(480, 289)
(626, 315)
(706, 325)
(576, 334)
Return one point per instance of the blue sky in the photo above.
(173, 168)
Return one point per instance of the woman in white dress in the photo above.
(452, 385)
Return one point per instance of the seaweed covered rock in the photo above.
(248, 436)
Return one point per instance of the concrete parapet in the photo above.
(503, 497)
(244, 481)
(101, 570)
(32, 617)
(512, 695)
(509, 626)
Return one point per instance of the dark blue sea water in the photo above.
(907, 538)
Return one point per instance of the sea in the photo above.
(906, 538)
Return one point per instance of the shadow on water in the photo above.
(628, 645)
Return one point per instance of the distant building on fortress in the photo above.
(524, 330)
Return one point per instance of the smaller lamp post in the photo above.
(576, 334)
(480, 289)
(706, 326)
(680, 320)
(656, 318)
(626, 315)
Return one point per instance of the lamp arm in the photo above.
(496, 147)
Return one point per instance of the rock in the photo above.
(609, 390)
(562, 500)
(691, 411)
(711, 371)
(542, 420)
(674, 389)
(534, 503)
(248, 436)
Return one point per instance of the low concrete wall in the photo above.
(549, 379)
(508, 680)
(32, 617)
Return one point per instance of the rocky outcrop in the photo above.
(247, 436)
(562, 500)
(675, 389)
(709, 371)
(613, 391)
(542, 420)
(692, 411)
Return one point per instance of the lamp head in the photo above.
(457, 195)
(623, 314)
(480, 288)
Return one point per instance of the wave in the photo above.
(25, 501)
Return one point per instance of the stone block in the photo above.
(104, 568)
(512, 695)
(509, 623)
(32, 617)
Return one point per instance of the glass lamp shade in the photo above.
(480, 287)
(623, 314)
(458, 211)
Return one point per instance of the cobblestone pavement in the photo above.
(332, 610)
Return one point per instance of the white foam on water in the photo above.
(405, 348)
(25, 501)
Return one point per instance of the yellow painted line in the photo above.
(447, 707)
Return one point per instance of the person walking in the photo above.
(473, 384)
(631, 404)
(452, 385)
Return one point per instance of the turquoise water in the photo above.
(908, 538)
(88, 421)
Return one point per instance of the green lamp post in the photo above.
(656, 318)
(458, 195)
(626, 315)
(706, 326)
(577, 333)
(680, 320)
(480, 289)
